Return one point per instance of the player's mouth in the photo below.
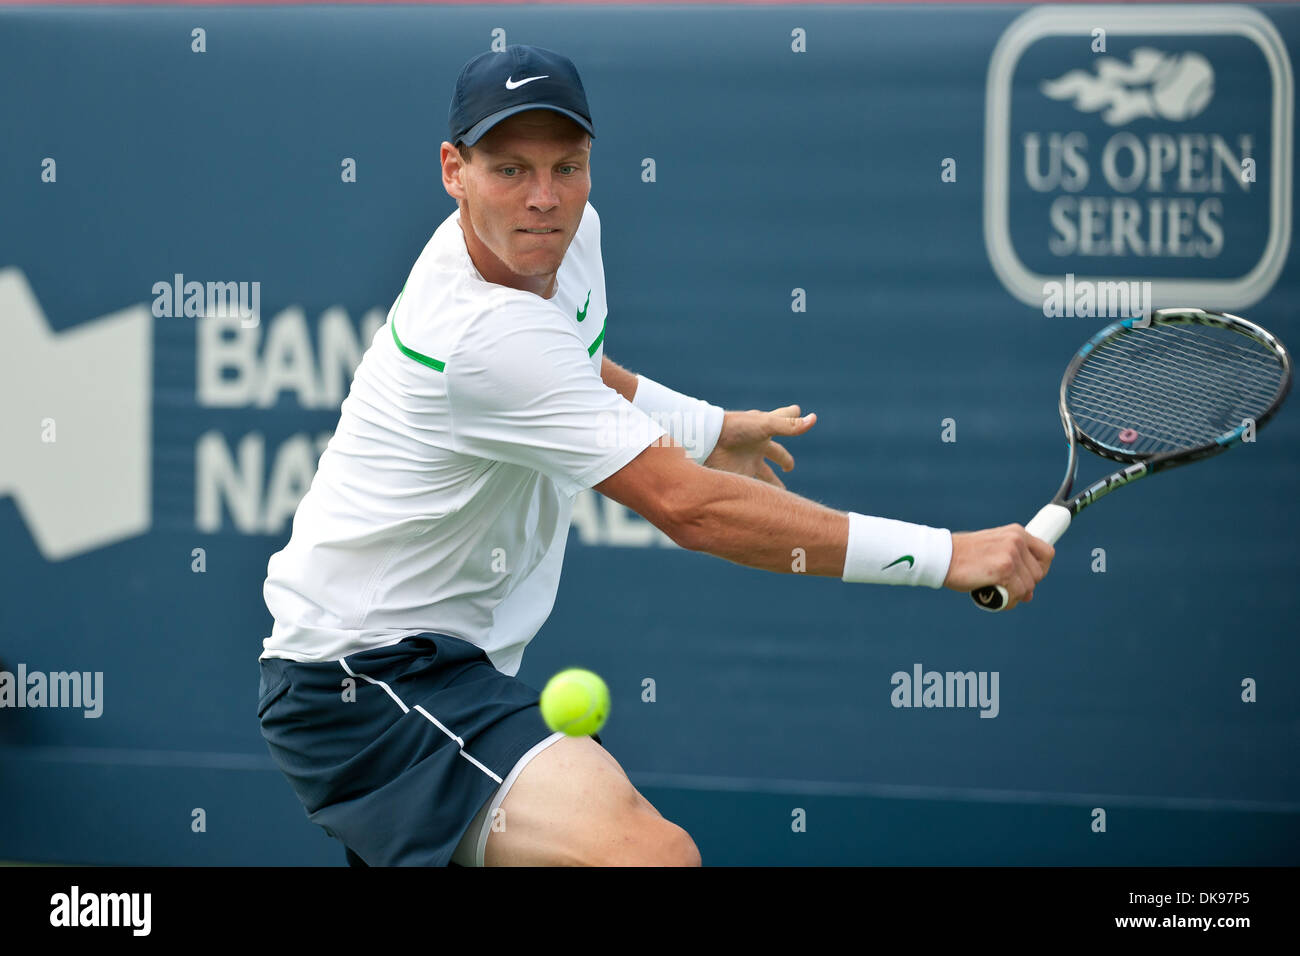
(538, 232)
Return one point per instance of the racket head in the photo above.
(1175, 389)
(1184, 397)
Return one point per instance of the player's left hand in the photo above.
(746, 441)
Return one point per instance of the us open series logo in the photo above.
(1140, 144)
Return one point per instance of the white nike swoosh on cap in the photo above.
(512, 85)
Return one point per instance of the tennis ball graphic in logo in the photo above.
(1183, 86)
(575, 702)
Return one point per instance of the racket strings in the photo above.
(1171, 392)
(1185, 424)
(1171, 387)
(1181, 411)
(1227, 362)
(1164, 411)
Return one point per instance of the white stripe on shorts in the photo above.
(437, 723)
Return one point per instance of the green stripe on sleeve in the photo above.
(433, 363)
(591, 349)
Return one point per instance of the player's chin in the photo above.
(537, 262)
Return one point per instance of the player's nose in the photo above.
(542, 195)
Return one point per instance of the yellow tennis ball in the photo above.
(575, 702)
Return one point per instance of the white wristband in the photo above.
(885, 551)
(692, 423)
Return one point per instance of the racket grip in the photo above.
(1048, 525)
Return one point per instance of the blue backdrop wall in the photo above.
(853, 209)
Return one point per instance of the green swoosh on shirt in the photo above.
(582, 313)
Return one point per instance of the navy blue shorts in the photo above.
(398, 773)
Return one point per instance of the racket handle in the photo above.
(1048, 525)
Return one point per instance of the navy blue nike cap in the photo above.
(493, 86)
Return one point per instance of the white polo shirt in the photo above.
(442, 502)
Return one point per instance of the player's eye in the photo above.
(574, 168)
(508, 170)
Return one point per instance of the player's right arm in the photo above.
(756, 524)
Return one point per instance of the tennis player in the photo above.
(427, 552)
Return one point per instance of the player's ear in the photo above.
(453, 165)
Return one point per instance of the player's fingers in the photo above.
(1005, 571)
(1034, 566)
(1041, 550)
(779, 455)
(1023, 572)
(1023, 585)
(765, 473)
(788, 421)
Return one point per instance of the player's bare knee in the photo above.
(643, 838)
(664, 843)
(683, 851)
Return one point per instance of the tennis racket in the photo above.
(1154, 395)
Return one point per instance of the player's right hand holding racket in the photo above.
(1009, 555)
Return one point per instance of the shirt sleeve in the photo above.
(522, 389)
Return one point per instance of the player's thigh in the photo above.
(572, 804)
